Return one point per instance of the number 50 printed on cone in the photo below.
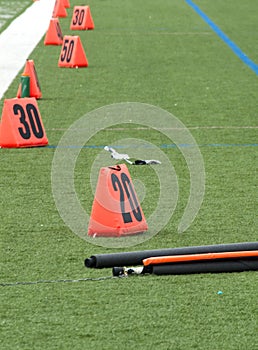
(72, 53)
(116, 210)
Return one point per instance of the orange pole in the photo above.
(198, 257)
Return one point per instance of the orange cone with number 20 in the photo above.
(116, 210)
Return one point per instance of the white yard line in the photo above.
(20, 38)
(189, 128)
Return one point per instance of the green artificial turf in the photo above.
(10, 10)
(159, 53)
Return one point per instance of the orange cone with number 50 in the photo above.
(72, 53)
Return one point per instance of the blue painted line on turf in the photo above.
(243, 57)
(163, 146)
(213, 145)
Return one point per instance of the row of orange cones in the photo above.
(81, 14)
(54, 37)
(12, 134)
(109, 216)
(72, 52)
(81, 20)
(22, 126)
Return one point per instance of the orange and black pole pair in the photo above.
(234, 257)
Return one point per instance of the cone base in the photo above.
(114, 234)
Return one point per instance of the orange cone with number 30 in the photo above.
(116, 210)
(82, 19)
(21, 124)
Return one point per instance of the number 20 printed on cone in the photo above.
(116, 210)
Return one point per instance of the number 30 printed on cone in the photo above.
(82, 19)
(21, 124)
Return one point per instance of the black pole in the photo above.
(214, 266)
(135, 258)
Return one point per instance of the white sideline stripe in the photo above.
(20, 38)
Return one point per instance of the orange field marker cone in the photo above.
(30, 70)
(54, 34)
(66, 3)
(72, 53)
(21, 124)
(59, 9)
(82, 18)
(116, 210)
